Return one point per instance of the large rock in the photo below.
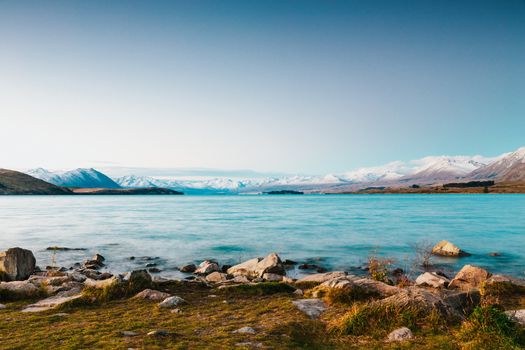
(322, 277)
(206, 267)
(469, 277)
(256, 268)
(153, 295)
(54, 301)
(217, 277)
(18, 290)
(432, 279)
(139, 280)
(313, 308)
(360, 287)
(445, 248)
(16, 264)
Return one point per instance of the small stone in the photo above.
(245, 330)
(2, 306)
(60, 314)
(154, 270)
(495, 254)
(172, 301)
(129, 334)
(313, 308)
(400, 334)
(158, 333)
(176, 311)
(151, 265)
(298, 292)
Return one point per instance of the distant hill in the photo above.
(14, 182)
(80, 178)
(508, 167)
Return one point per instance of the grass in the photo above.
(210, 316)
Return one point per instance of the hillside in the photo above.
(80, 178)
(14, 182)
(508, 167)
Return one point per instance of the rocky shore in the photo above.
(474, 309)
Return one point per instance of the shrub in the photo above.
(378, 268)
(488, 328)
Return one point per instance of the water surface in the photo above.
(339, 232)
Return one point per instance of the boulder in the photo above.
(432, 279)
(54, 301)
(18, 289)
(400, 334)
(206, 267)
(469, 277)
(188, 268)
(322, 277)
(363, 287)
(16, 264)
(101, 283)
(217, 277)
(172, 301)
(256, 268)
(153, 295)
(313, 308)
(99, 259)
(517, 315)
(139, 280)
(445, 248)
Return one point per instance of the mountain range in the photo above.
(425, 171)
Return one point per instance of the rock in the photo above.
(57, 248)
(256, 268)
(154, 270)
(289, 263)
(101, 283)
(188, 268)
(54, 301)
(153, 295)
(2, 306)
(298, 292)
(224, 268)
(98, 259)
(240, 279)
(313, 308)
(365, 287)
(400, 334)
(517, 315)
(176, 311)
(322, 277)
(249, 344)
(272, 277)
(206, 267)
(469, 277)
(158, 333)
(77, 277)
(432, 279)
(139, 280)
(216, 277)
(172, 301)
(245, 330)
(129, 334)
(445, 248)
(18, 289)
(16, 264)
(494, 254)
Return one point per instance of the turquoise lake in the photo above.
(339, 232)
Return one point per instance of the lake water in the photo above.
(339, 232)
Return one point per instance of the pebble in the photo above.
(172, 301)
(158, 333)
(129, 334)
(2, 306)
(245, 330)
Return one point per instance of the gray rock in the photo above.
(313, 308)
(517, 315)
(101, 283)
(432, 279)
(129, 334)
(206, 267)
(400, 334)
(217, 277)
(19, 289)
(256, 268)
(322, 277)
(139, 280)
(272, 277)
(53, 302)
(153, 295)
(172, 301)
(16, 264)
(245, 330)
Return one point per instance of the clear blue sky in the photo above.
(282, 86)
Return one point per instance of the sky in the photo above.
(306, 87)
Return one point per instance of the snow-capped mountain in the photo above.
(85, 178)
(445, 167)
(507, 167)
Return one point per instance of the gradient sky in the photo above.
(308, 87)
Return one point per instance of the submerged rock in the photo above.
(16, 264)
(400, 334)
(445, 248)
(469, 277)
(313, 308)
(188, 268)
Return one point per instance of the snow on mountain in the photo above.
(85, 178)
(388, 172)
(445, 167)
(508, 167)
